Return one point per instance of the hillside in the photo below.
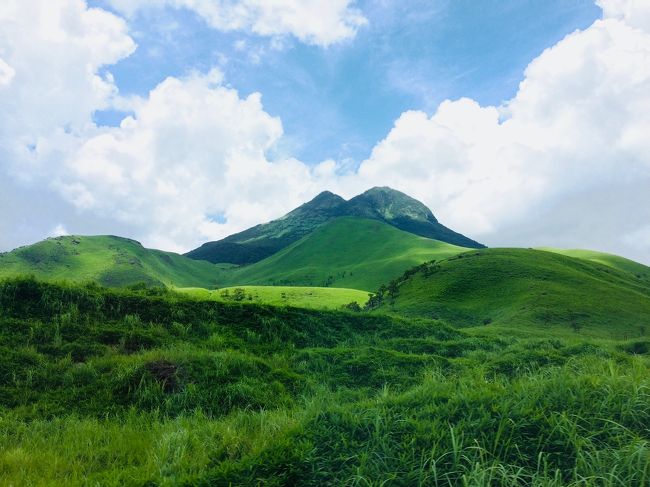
(266, 239)
(107, 260)
(117, 387)
(347, 252)
(526, 288)
(384, 204)
(610, 260)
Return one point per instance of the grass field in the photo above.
(303, 297)
(610, 260)
(108, 260)
(150, 387)
(347, 252)
(528, 289)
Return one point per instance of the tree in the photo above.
(238, 294)
(353, 306)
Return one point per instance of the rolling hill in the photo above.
(610, 260)
(108, 260)
(347, 252)
(525, 288)
(383, 204)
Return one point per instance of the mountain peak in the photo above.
(389, 204)
(326, 199)
(382, 190)
(379, 203)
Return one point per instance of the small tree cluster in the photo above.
(391, 290)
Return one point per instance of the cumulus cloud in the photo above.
(577, 126)
(635, 13)
(193, 154)
(319, 22)
(193, 149)
(52, 53)
(52, 79)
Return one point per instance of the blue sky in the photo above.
(338, 101)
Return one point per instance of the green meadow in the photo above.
(302, 297)
(154, 387)
(348, 252)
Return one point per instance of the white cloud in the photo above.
(635, 13)
(51, 81)
(59, 231)
(319, 22)
(7, 73)
(53, 52)
(578, 125)
(192, 149)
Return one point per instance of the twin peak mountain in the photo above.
(380, 203)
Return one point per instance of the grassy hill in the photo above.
(610, 260)
(526, 289)
(108, 260)
(302, 297)
(150, 387)
(347, 252)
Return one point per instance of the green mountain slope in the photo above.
(108, 260)
(518, 287)
(263, 240)
(406, 213)
(610, 260)
(383, 204)
(347, 252)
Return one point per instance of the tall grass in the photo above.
(145, 387)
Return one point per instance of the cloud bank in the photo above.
(315, 22)
(565, 162)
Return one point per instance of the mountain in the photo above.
(266, 239)
(526, 288)
(109, 260)
(406, 213)
(347, 252)
(383, 204)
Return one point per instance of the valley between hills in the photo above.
(356, 342)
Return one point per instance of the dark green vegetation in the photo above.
(149, 387)
(347, 252)
(382, 204)
(525, 288)
(108, 260)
